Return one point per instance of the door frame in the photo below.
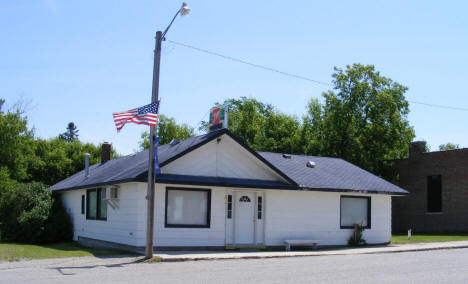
(257, 193)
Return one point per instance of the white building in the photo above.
(215, 192)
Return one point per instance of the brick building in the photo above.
(438, 186)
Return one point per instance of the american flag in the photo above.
(147, 115)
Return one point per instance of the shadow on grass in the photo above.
(75, 247)
(19, 251)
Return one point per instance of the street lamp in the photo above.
(160, 36)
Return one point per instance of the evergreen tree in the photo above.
(71, 134)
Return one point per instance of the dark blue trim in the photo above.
(221, 181)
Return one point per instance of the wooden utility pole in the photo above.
(184, 10)
(153, 133)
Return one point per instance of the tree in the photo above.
(16, 144)
(311, 136)
(25, 158)
(448, 146)
(261, 126)
(363, 120)
(71, 134)
(168, 130)
(56, 159)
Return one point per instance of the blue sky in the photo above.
(81, 61)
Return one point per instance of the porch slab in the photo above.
(221, 255)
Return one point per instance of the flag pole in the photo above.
(153, 133)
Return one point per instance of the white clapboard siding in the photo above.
(287, 215)
(224, 158)
(213, 236)
(316, 215)
(123, 225)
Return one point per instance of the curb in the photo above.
(212, 258)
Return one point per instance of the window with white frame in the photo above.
(188, 207)
(355, 210)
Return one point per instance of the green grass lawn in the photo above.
(15, 251)
(403, 239)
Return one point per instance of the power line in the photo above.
(292, 74)
(250, 63)
(439, 106)
(199, 123)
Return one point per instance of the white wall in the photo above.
(213, 236)
(225, 158)
(316, 215)
(288, 214)
(123, 225)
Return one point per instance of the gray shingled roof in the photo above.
(131, 167)
(330, 174)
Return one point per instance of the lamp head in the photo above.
(185, 10)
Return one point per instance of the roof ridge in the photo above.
(125, 156)
(191, 137)
(300, 155)
(449, 150)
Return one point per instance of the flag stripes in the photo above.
(147, 115)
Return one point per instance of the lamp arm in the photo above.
(170, 24)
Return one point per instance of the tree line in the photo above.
(29, 211)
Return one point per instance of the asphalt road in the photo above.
(437, 266)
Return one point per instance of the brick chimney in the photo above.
(417, 147)
(105, 152)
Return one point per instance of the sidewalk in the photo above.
(62, 264)
(213, 255)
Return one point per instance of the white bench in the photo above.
(290, 243)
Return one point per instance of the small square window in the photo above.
(355, 210)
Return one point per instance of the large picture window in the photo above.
(355, 210)
(96, 205)
(187, 208)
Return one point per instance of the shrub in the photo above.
(356, 238)
(29, 213)
(58, 226)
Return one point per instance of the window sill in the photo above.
(187, 226)
(95, 219)
(352, 227)
(434, 213)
